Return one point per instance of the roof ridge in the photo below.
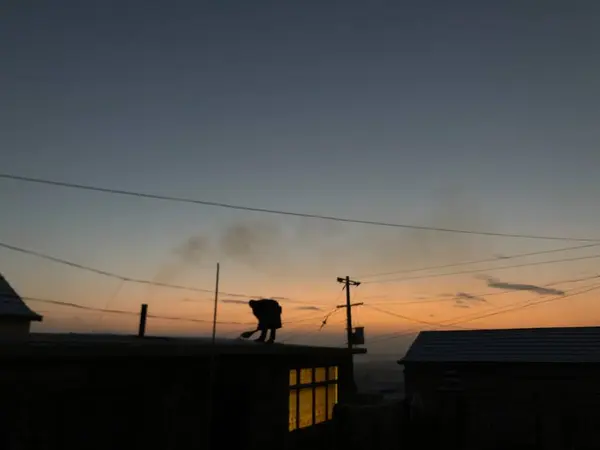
(550, 344)
(12, 304)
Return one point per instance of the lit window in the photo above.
(293, 417)
(313, 395)
(306, 376)
(320, 374)
(331, 399)
(320, 404)
(305, 418)
(333, 374)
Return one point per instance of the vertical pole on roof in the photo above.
(143, 316)
(211, 394)
(214, 329)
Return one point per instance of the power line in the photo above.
(281, 212)
(294, 320)
(122, 312)
(484, 294)
(400, 316)
(302, 318)
(133, 313)
(463, 272)
(444, 266)
(120, 277)
(529, 304)
(324, 320)
(507, 309)
(296, 333)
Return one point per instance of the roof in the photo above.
(525, 345)
(12, 305)
(73, 344)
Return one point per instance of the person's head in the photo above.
(252, 303)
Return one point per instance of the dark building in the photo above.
(517, 388)
(105, 391)
(15, 315)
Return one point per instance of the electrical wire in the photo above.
(295, 330)
(294, 320)
(124, 278)
(316, 330)
(133, 313)
(120, 311)
(463, 272)
(323, 320)
(111, 299)
(452, 298)
(507, 309)
(465, 263)
(279, 212)
(400, 316)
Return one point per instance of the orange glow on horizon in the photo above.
(404, 308)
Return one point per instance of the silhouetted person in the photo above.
(268, 313)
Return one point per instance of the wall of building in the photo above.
(150, 403)
(373, 425)
(14, 328)
(504, 405)
(314, 387)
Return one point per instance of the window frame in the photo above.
(331, 379)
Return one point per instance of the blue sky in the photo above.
(439, 113)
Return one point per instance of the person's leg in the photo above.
(272, 336)
(263, 335)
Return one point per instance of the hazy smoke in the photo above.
(252, 242)
(188, 254)
(268, 245)
(450, 207)
(193, 250)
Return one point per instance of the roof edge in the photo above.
(33, 317)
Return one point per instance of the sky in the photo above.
(471, 115)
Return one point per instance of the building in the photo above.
(92, 391)
(15, 315)
(515, 388)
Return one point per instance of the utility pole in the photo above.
(347, 282)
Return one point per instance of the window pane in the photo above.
(320, 374)
(306, 376)
(331, 399)
(292, 415)
(306, 408)
(333, 373)
(320, 404)
(293, 377)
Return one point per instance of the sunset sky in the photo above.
(470, 115)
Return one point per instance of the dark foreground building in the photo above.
(97, 392)
(520, 388)
(15, 315)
